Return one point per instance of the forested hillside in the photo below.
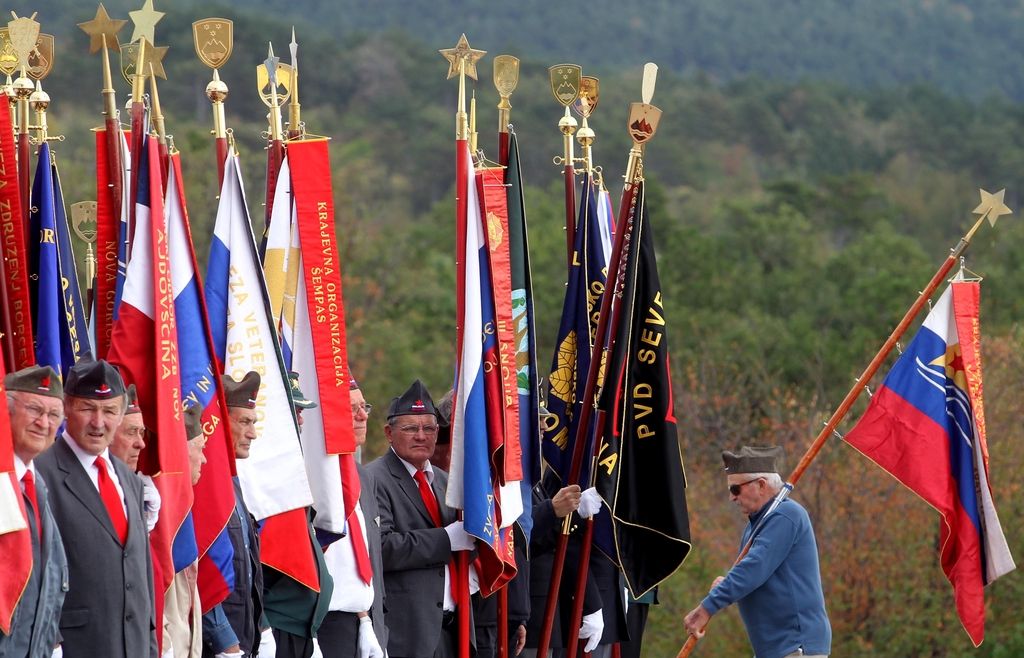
(814, 164)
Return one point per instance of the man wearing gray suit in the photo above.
(419, 533)
(35, 401)
(98, 504)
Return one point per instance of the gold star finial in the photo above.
(462, 51)
(154, 60)
(100, 26)
(992, 206)
(145, 21)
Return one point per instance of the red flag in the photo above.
(12, 241)
(15, 541)
(144, 344)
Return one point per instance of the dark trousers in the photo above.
(448, 645)
(292, 646)
(636, 621)
(338, 636)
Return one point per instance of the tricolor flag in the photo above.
(639, 466)
(201, 387)
(144, 345)
(926, 427)
(472, 485)
(574, 344)
(273, 478)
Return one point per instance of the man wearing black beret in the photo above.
(777, 584)
(418, 531)
(98, 504)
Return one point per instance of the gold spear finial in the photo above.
(294, 109)
(39, 101)
(24, 32)
(462, 62)
(83, 223)
(506, 79)
(158, 115)
(139, 77)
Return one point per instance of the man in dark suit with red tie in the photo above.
(35, 401)
(418, 532)
(98, 504)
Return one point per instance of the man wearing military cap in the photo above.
(36, 408)
(777, 585)
(419, 533)
(130, 438)
(98, 504)
(233, 627)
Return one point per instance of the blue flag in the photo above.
(574, 343)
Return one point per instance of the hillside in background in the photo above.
(814, 164)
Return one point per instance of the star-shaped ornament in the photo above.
(992, 206)
(154, 56)
(100, 26)
(460, 52)
(145, 21)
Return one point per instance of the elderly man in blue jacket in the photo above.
(777, 584)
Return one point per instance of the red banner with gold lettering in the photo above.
(15, 261)
(107, 211)
(506, 453)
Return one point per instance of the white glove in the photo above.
(474, 580)
(369, 647)
(151, 502)
(591, 630)
(590, 503)
(58, 652)
(268, 646)
(233, 654)
(316, 650)
(459, 538)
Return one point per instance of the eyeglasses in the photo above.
(412, 430)
(366, 408)
(35, 412)
(735, 489)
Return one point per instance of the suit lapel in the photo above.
(408, 485)
(77, 481)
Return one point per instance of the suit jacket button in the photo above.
(128, 586)
(439, 604)
(129, 617)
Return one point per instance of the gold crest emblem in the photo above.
(643, 121)
(214, 40)
(129, 53)
(565, 82)
(83, 219)
(506, 74)
(495, 233)
(24, 34)
(586, 103)
(40, 60)
(284, 83)
(8, 55)
(153, 57)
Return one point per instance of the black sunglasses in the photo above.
(735, 489)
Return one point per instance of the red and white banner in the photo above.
(12, 239)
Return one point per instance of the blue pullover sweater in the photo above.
(778, 586)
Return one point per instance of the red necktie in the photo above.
(29, 483)
(427, 494)
(363, 567)
(111, 500)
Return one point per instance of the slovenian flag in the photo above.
(926, 427)
(201, 387)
